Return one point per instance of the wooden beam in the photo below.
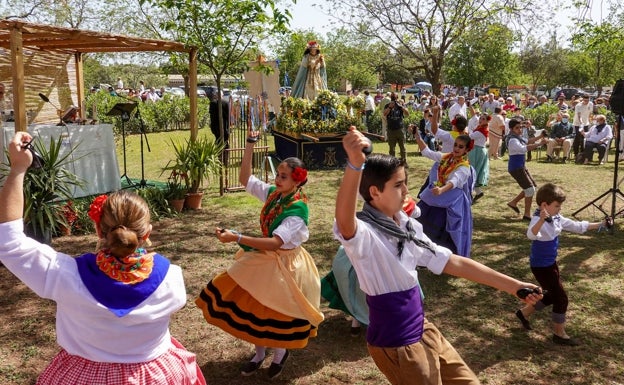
(51, 38)
(17, 61)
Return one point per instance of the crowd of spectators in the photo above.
(570, 129)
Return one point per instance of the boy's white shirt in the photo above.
(374, 257)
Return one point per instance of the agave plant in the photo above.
(46, 189)
(196, 160)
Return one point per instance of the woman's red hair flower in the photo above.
(95, 210)
(299, 174)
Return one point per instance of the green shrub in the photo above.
(169, 114)
(541, 115)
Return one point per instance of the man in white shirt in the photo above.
(369, 108)
(598, 137)
(458, 108)
(497, 133)
(473, 122)
(581, 120)
(152, 96)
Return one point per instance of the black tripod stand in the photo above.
(123, 110)
(614, 192)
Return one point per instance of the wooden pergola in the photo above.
(18, 35)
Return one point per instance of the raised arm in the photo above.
(435, 111)
(471, 109)
(346, 200)
(421, 143)
(245, 171)
(12, 193)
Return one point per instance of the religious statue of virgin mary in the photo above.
(311, 77)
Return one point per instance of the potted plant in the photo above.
(176, 190)
(197, 160)
(46, 189)
(70, 215)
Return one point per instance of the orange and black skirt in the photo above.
(266, 298)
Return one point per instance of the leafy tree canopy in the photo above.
(482, 55)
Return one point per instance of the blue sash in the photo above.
(516, 162)
(544, 253)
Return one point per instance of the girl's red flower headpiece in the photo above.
(95, 210)
(299, 174)
(313, 44)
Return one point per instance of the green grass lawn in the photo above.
(478, 320)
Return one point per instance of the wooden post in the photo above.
(17, 61)
(80, 92)
(193, 92)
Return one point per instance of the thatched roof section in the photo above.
(18, 36)
(50, 38)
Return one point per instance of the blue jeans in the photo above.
(430, 141)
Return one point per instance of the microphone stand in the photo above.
(124, 118)
(122, 110)
(143, 183)
(58, 110)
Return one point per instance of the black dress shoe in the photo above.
(565, 341)
(525, 322)
(250, 367)
(355, 331)
(276, 369)
(477, 197)
(514, 208)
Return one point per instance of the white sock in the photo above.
(278, 354)
(355, 323)
(477, 190)
(260, 353)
